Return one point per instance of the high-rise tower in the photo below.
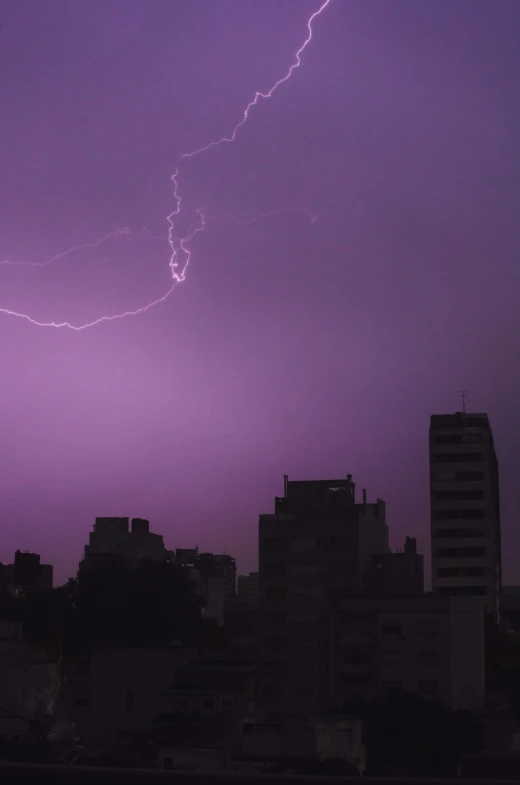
(465, 508)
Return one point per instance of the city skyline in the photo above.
(312, 349)
(475, 422)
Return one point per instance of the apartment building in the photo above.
(430, 645)
(465, 508)
(319, 542)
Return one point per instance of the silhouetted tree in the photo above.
(423, 738)
(114, 604)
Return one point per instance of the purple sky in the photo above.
(313, 349)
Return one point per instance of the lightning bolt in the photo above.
(312, 218)
(180, 252)
(110, 236)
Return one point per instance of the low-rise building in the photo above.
(321, 738)
(121, 691)
(430, 645)
(219, 688)
(29, 683)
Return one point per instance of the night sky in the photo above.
(307, 348)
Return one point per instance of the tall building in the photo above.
(318, 543)
(115, 537)
(465, 508)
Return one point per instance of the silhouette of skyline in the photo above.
(294, 348)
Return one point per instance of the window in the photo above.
(469, 591)
(307, 653)
(392, 686)
(455, 515)
(342, 543)
(458, 476)
(357, 617)
(225, 702)
(275, 593)
(458, 457)
(325, 543)
(450, 553)
(456, 534)
(428, 657)
(428, 687)
(337, 568)
(129, 700)
(209, 702)
(356, 656)
(274, 569)
(274, 618)
(274, 643)
(469, 476)
(444, 476)
(302, 618)
(275, 545)
(429, 627)
(274, 669)
(464, 495)
(461, 572)
(476, 422)
(303, 544)
(392, 657)
(305, 570)
(306, 596)
(458, 438)
(391, 629)
(449, 438)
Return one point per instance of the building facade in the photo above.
(396, 574)
(465, 508)
(318, 543)
(222, 566)
(430, 645)
(248, 588)
(132, 543)
(202, 570)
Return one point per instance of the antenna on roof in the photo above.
(463, 398)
